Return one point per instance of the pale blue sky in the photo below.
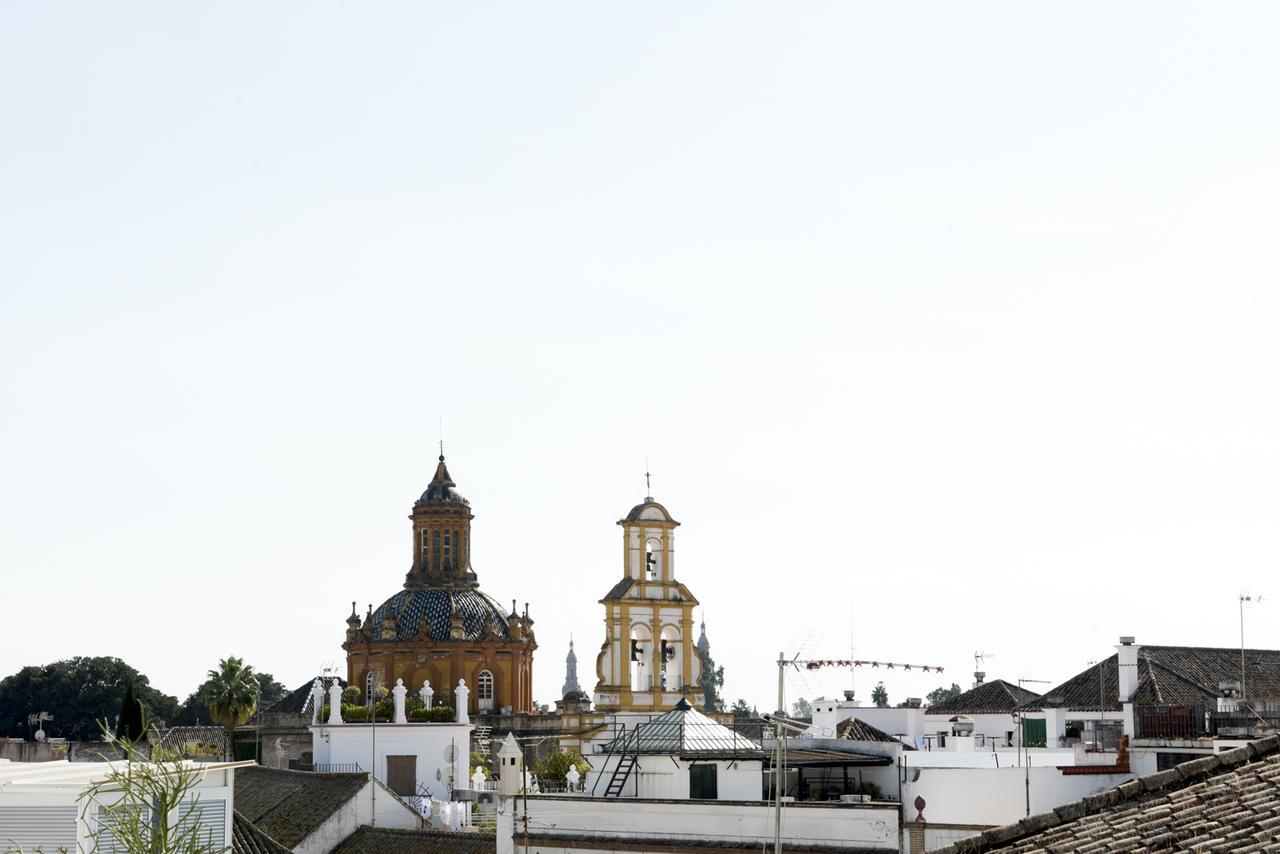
(959, 318)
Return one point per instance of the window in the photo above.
(448, 549)
(435, 549)
(702, 782)
(426, 546)
(484, 690)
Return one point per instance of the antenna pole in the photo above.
(779, 773)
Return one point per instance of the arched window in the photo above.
(484, 690)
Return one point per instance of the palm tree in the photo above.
(233, 695)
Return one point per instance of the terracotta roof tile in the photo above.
(290, 805)
(369, 840)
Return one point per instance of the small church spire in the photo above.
(570, 672)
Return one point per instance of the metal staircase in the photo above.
(626, 762)
(482, 738)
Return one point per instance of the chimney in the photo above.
(1127, 665)
(978, 678)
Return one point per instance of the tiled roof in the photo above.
(1177, 675)
(290, 805)
(369, 840)
(296, 701)
(1228, 801)
(248, 838)
(989, 698)
(432, 609)
(856, 730)
(619, 589)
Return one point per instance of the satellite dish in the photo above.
(450, 753)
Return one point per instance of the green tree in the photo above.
(941, 695)
(801, 708)
(235, 695)
(554, 766)
(741, 708)
(79, 692)
(712, 678)
(195, 709)
(879, 696)
(131, 725)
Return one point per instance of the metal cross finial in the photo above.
(648, 490)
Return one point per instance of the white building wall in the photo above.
(837, 826)
(994, 726)
(990, 796)
(357, 744)
(896, 722)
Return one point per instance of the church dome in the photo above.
(475, 614)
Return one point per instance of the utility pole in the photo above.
(778, 770)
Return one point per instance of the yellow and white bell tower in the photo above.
(648, 661)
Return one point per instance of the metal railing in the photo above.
(1170, 721)
(327, 768)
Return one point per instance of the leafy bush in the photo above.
(439, 714)
(555, 765)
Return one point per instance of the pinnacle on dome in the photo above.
(441, 489)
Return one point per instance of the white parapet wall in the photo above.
(996, 796)
(560, 823)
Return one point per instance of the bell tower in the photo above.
(441, 535)
(647, 662)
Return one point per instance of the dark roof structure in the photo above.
(635, 513)
(989, 698)
(1228, 801)
(1175, 675)
(248, 838)
(852, 729)
(619, 590)
(685, 731)
(297, 701)
(441, 489)
(289, 806)
(370, 840)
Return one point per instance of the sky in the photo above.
(942, 328)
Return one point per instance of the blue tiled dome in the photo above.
(438, 605)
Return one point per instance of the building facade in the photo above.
(441, 627)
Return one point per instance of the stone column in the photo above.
(335, 703)
(317, 701)
(397, 694)
(426, 693)
(463, 693)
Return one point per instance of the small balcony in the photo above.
(1169, 721)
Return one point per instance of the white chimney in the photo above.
(1127, 664)
(825, 719)
(978, 678)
